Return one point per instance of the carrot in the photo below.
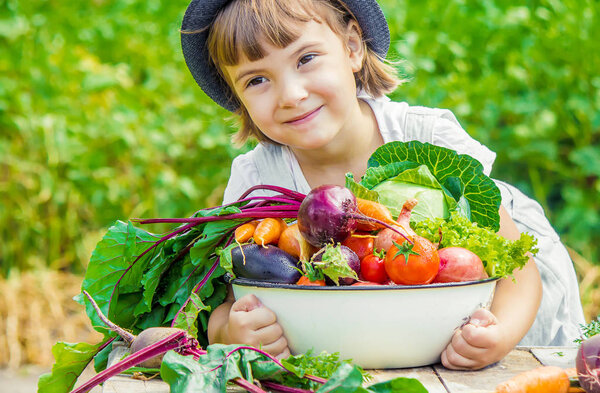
(574, 388)
(288, 241)
(244, 232)
(268, 231)
(547, 379)
(374, 210)
(306, 281)
(292, 242)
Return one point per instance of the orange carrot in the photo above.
(306, 281)
(244, 232)
(288, 241)
(574, 388)
(292, 242)
(268, 231)
(375, 210)
(547, 379)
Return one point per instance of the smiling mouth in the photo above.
(305, 117)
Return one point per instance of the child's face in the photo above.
(303, 95)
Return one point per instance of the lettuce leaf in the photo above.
(500, 256)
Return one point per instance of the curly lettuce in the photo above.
(500, 256)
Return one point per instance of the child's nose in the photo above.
(292, 92)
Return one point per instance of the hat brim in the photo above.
(201, 13)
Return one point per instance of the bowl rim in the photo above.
(246, 282)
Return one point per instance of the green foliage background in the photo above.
(100, 119)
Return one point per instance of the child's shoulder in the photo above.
(400, 120)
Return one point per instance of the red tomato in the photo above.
(419, 269)
(372, 268)
(361, 243)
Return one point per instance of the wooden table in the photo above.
(436, 378)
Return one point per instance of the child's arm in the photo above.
(246, 321)
(489, 336)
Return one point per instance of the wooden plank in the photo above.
(555, 356)
(426, 375)
(485, 380)
(127, 384)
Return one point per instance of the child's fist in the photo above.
(477, 344)
(253, 324)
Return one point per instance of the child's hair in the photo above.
(239, 25)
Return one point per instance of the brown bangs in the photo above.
(242, 24)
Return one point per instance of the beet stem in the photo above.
(276, 361)
(285, 191)
(171, 342)
(125, 335)
(197, 289)
(283, 388)
(385, 224)
(252, 388)
(193, 221)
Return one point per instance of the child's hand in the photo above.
(477, 344)
(253, 324)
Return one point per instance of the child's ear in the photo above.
(355, 45)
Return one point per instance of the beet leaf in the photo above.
(70, 361)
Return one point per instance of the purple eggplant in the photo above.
(269, 263)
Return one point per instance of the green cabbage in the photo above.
(442, 180)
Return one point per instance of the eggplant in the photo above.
(268, 263)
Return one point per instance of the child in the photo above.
(308, 81)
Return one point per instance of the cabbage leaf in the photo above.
(441, 180)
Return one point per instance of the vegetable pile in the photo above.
(361, 234)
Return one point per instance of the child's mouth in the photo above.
(305, 117)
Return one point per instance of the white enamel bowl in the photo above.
(375, 326)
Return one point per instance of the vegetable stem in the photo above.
(385, 224)
(125, 335)
(294, 194)
(252, 388)
(174, 341)
(282, 388)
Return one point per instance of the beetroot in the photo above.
(587, 364)
(329, 213)
(340, 265)
(459, 264)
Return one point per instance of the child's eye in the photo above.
(306, 58)
(255, 81)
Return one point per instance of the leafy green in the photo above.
(589, 330)
(224, 363)
(333, 263)
(213, 371)
(186, 320)
(321, 365)
(70, 361)
(500, 256)
(458, 178)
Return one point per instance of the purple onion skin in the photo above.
(326, 215)
(587, 364)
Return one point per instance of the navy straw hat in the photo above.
(201, 13)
